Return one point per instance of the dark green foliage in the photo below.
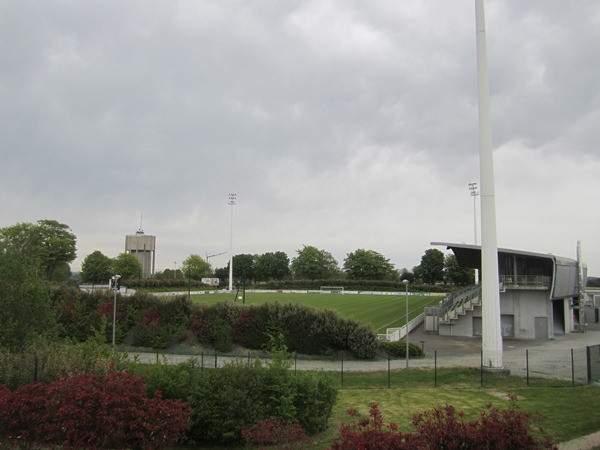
(240, 394)
(46, 362)
(160, 322)
(304, 329)
(228, 399)
(397, 349)
(25, 308)
(96, 268)
(43, 247)
(368, 265)
(213, 325)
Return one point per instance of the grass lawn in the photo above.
(379, 311)
(570, 412)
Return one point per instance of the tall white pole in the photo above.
(490, 287)
(406, 303)
(232, 198)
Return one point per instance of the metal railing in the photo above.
(525, 281)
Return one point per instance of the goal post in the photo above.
(332, 289)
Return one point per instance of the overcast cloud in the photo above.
(340, 124)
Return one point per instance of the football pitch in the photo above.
(380, 311)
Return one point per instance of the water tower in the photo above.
(143, 246)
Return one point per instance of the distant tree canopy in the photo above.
(454, 274)
(431, 269)
(311, 263)
(96, 268)
(127, 265)
(196, 268)
(243, 266)
(368, 265)
(272, 266)
(47, 245)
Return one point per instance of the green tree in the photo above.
(46, 245)
(127, 265)
(196, 268)
(432, 266)
(405, 274)
(311, 263)
(454, 274)
(243, 266)
(368, 265)
(96, 268)
(272, 266)
(25, 309)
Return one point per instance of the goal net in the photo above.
(332, 289)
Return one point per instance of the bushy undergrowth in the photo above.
(93, 412)
(48, 361)
(397, 349)
(226, 400)
(304, 329)
(494, 429)
(157, 322)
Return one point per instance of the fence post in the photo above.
(342, 369)
(481, 369)
(295, 361)
(572, 369)
(435, 368)
(527, 365)
(35, 368)
(589, 363)
(215, 360)
(202, 361)
(389, 370)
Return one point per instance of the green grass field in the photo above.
(379, 311)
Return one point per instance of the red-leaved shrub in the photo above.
(279, 433)
(494, 429)
(93, 412)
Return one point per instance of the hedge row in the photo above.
(350, 285)
(157, 322)
(300, 328)
(226, 400)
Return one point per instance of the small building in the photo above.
(143, 246)
(541, 296)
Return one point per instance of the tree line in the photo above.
(50, 247)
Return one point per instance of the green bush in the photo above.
(46, 362)
(227, 399)
(362, 341)
(397, 349)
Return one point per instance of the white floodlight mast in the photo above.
(490, 286)
(232, 199)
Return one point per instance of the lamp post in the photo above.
(406, 302)
(232, 198)
(115, 287)
(474, 194)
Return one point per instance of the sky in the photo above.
(340, 124)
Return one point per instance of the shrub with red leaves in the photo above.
(93, 412)
(279, 433)
(495, 429)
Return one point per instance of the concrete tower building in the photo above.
(143, 246)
